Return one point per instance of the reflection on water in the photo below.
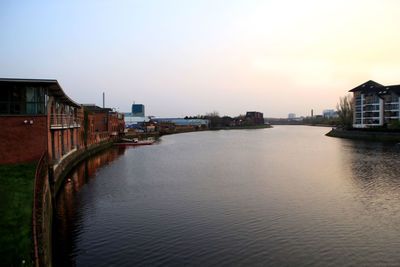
(282, 196)
(67, 202)
(376, 178)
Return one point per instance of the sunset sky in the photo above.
(192, 57)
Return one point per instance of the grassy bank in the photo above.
(16, 198)
(365, 135)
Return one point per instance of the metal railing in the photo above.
(64, 121)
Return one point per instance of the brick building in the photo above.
(103, 123)
(37, 116)
(257, 118)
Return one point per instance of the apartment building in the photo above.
(375, 104)
(37, 116)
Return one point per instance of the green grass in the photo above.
(16, 198)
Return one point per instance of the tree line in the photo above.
(217, 121)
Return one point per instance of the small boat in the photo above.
(135, 142)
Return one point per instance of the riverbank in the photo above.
(16, 198)
(48, 180)
(241, 127)
(367, 135)
(159, 134)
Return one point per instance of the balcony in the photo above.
(392, 107)
(63, 122)
(366, 103)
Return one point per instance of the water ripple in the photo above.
(287, 196)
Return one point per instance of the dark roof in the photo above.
(369, 86)
(53, 87)
(96, 109)
(374, 87)
(394, 88)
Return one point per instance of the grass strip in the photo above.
(16, 199)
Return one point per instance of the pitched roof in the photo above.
(54, 88)
(367, 87)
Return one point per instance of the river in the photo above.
(282, 196)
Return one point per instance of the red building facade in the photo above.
(103, 124)
(37, 117)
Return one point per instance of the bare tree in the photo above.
(345, 109)
(215, 119)
(213, 114)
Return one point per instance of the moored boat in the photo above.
(135, 142)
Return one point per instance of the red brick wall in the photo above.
(22, 142)
(99, 124)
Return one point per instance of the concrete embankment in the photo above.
(68, 163)
(48, 181)
(367, 135)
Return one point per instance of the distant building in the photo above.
(103, 123)
(138, 110)
(135, 121)
(256, 117)
(291, 116)
(329, 113)
(375, 104)
(184, 122)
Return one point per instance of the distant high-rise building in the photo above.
(329, 113)
(137, 110)
(291, 116)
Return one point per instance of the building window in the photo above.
(20, 100)
(392, 98)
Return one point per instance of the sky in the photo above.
(180, 57)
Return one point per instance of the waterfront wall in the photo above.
(48, 181)
(42, 213)
(73, 159)
(365, 135)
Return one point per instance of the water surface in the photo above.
(282, 196)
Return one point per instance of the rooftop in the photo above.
(367, 87)
(53, 87)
